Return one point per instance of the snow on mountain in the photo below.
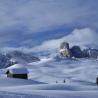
(80, 79)
(20, 56)
(4, 61)
(79, 75)
(13, 57)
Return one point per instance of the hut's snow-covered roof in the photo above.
(17, 69)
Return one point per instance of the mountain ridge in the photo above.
(14, 57)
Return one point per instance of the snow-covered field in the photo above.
(80, 76)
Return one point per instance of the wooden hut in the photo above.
(17, 71)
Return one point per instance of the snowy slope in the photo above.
(80, 76)
(47, 90)
(78, 71)
(20, 88)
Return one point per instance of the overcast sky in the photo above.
(34, 23)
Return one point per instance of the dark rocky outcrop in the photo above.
(93, 53)
(75, 51)
(64, 50)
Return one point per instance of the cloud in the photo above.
(85, 37)
(44, 15)
(22, 18)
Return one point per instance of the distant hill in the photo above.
(14, 57)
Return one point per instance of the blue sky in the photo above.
(31, 23)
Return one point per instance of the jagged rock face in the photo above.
(93, 53)
(6, 60)
(23, 56)
(85, 53)
(64, 49)
(64, 45)
(76, 52)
